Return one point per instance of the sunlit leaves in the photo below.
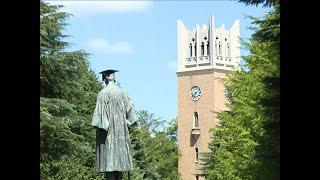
(246, 143)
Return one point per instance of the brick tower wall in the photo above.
(212, 99)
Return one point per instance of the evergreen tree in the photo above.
(64, 75)
(68, 93)
(246, 143)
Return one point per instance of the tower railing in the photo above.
(190, 61)
(203, 60)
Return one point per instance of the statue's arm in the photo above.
(99, 119)
(131, 115)
(96, 113)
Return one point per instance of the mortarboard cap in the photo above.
(107, 72)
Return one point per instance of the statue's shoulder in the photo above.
(123, 92)
(101, 92)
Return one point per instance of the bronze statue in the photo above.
(113, 114)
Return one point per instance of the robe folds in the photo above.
(113, 114)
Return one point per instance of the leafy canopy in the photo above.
(68, 95)
(246, 144)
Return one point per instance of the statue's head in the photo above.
(111, 77)
(108, 75)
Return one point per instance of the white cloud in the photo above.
(173, 65)
(101, 45)
(93, 7)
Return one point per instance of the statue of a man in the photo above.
(113, 114)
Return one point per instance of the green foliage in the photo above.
(172, 130)
(51, 24)
(268, 28)
(70, 167)
(64, 75)
(150, 122)
(68, 91)
(246, 143)
(65, 136)
(155, 152)
(266, 3)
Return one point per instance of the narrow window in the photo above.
(219, 49)
(202, 49)
(208, 50)
(197, 154)
(197, 177)
(196, 119)
(190, 50)
(227, 50)
(195, 49)
(216, 48)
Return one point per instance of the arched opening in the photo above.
(216, 46)
(190, 50)
(202, 49)
(196, 119)
(197, 154)
(208, 50)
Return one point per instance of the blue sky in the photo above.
(139, 38)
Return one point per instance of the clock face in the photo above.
(195, 93)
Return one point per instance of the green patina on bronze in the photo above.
(113, 114)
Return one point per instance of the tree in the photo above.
(155, 151)
(246, 143)
(172, 130)
(264, 2)
(64, 75)
(68, 95)
(68, 92)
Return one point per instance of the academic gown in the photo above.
(113, 114)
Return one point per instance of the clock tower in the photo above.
(205, 54)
